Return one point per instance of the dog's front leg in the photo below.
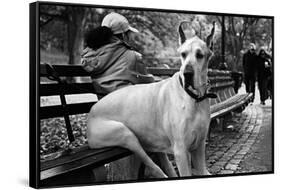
(166, 165)
(199, 160)
(183, 159)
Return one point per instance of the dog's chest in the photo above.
(201, 120)
(188, 123)
(196, 127)
(200, 115)
(193, 121)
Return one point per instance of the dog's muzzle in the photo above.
(189, 79)
(191, 91)
(189, 76)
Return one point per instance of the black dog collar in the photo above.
(196, 96)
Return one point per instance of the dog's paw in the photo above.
(207, 173)
(198, 173)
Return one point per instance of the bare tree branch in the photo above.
(43, 23)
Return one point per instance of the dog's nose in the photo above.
(188, 69)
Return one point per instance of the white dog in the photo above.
(171, 116)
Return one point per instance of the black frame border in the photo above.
(34, 99)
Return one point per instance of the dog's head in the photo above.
(195, 54)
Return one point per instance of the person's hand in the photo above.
(266, 64)
(89, 65)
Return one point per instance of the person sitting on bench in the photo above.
(110, 59)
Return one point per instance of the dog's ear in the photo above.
(209, 40)
(185, 34)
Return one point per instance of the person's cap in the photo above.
(252, 46)
(117, 23)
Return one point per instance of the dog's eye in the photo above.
(199, 55)
(183, 55)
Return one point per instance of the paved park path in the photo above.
(246, 143)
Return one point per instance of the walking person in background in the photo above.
(110, 58)
(263, 74)
(250, 60)
(270, 83)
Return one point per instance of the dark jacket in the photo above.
(114, 66)
(264, 67)
(250, 64)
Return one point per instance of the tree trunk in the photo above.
(75, 25)
(223, 39)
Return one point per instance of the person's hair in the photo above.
(97, 37)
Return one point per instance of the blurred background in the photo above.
(62, 29)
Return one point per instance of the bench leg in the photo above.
(224, 120)
(100, 174)
(213, 124)
(125, 169)
(209, 133)
(141, 171)
(219, 122)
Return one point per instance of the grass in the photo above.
(53, 57)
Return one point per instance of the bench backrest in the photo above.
(222, 84)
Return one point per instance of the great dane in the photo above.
(171, 116)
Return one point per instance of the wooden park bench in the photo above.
(82, 165)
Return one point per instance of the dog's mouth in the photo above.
(189, 83)
(189, 79)
(197, 94)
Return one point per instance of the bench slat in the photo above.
(233, 103)
(212, 72)
(57, 111)
(77, 70)
(80, 88)
(214, 80)
(217, 87)
(88, 157)
(65, 70)
(53, 89)
(161, 71)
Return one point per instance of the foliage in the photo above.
(62, 28)
(54, 139)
